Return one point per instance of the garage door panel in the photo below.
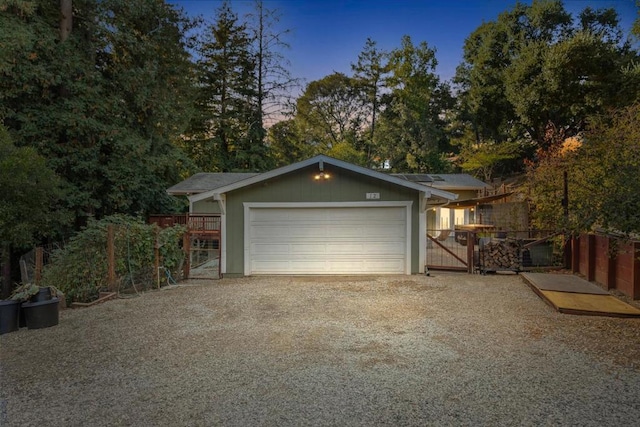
(261, 249)
(343, 232)
(369, 266)
(392, 248)
(328, 240)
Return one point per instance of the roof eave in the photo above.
(328, 160)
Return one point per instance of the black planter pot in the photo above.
(44, 294)
(41, 314)
(9, 313)
(22, 318)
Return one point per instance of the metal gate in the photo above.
(491, 250)
(204, 256)
(448, 250)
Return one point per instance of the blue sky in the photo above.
(328, 35)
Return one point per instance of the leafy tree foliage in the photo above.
(285, 143)
(602, 174)
(536, 73)
(330, 112)
(391, 111)
(29, 193)
(483, 159)
(105, 106)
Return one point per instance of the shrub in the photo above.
(80, 269)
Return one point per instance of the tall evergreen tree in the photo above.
(227, 132)
(411, 129)
(370, 73)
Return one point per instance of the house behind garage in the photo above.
(317, 216)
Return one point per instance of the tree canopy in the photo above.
(602, 176)
(123, 98)
(104, 106)
(537, 73)
(29, 194)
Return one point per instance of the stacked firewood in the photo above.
(501, 254)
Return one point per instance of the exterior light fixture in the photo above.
(322, 175)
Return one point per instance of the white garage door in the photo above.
(329, 240)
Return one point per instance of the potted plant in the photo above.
(25, 292)
(39, 306)
(9, 316)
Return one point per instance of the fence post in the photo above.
(567, 257)
(610, 276)
(575, 254)
(591, 257)
(471, 241)
(186, 247)
(156, 255)
(111, 259)
(39, 265)
(635, 271)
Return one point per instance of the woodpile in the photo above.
(500, 254)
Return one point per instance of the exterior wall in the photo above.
(208, 206)
(300, 186)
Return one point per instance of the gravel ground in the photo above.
(451, 349)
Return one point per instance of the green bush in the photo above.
(80, 269)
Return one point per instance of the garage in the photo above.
(319, 216)
(365, 238)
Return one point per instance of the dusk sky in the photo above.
(328, 35)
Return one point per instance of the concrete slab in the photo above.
(563, 283)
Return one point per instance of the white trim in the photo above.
(222, 202)
(382, 204)
(407, 263)
(422, 241)
(324, 160)
(301, 205)
(223, 244)
(246, 241)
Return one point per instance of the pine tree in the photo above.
(226, 133)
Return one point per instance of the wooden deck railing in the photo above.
(200, 224)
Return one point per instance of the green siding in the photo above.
(300, 186)
(208, 206)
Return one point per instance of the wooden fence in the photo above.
(609, 261)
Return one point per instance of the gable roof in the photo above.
(201, 182)
(322, 159)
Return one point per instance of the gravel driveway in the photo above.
(451, 349)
